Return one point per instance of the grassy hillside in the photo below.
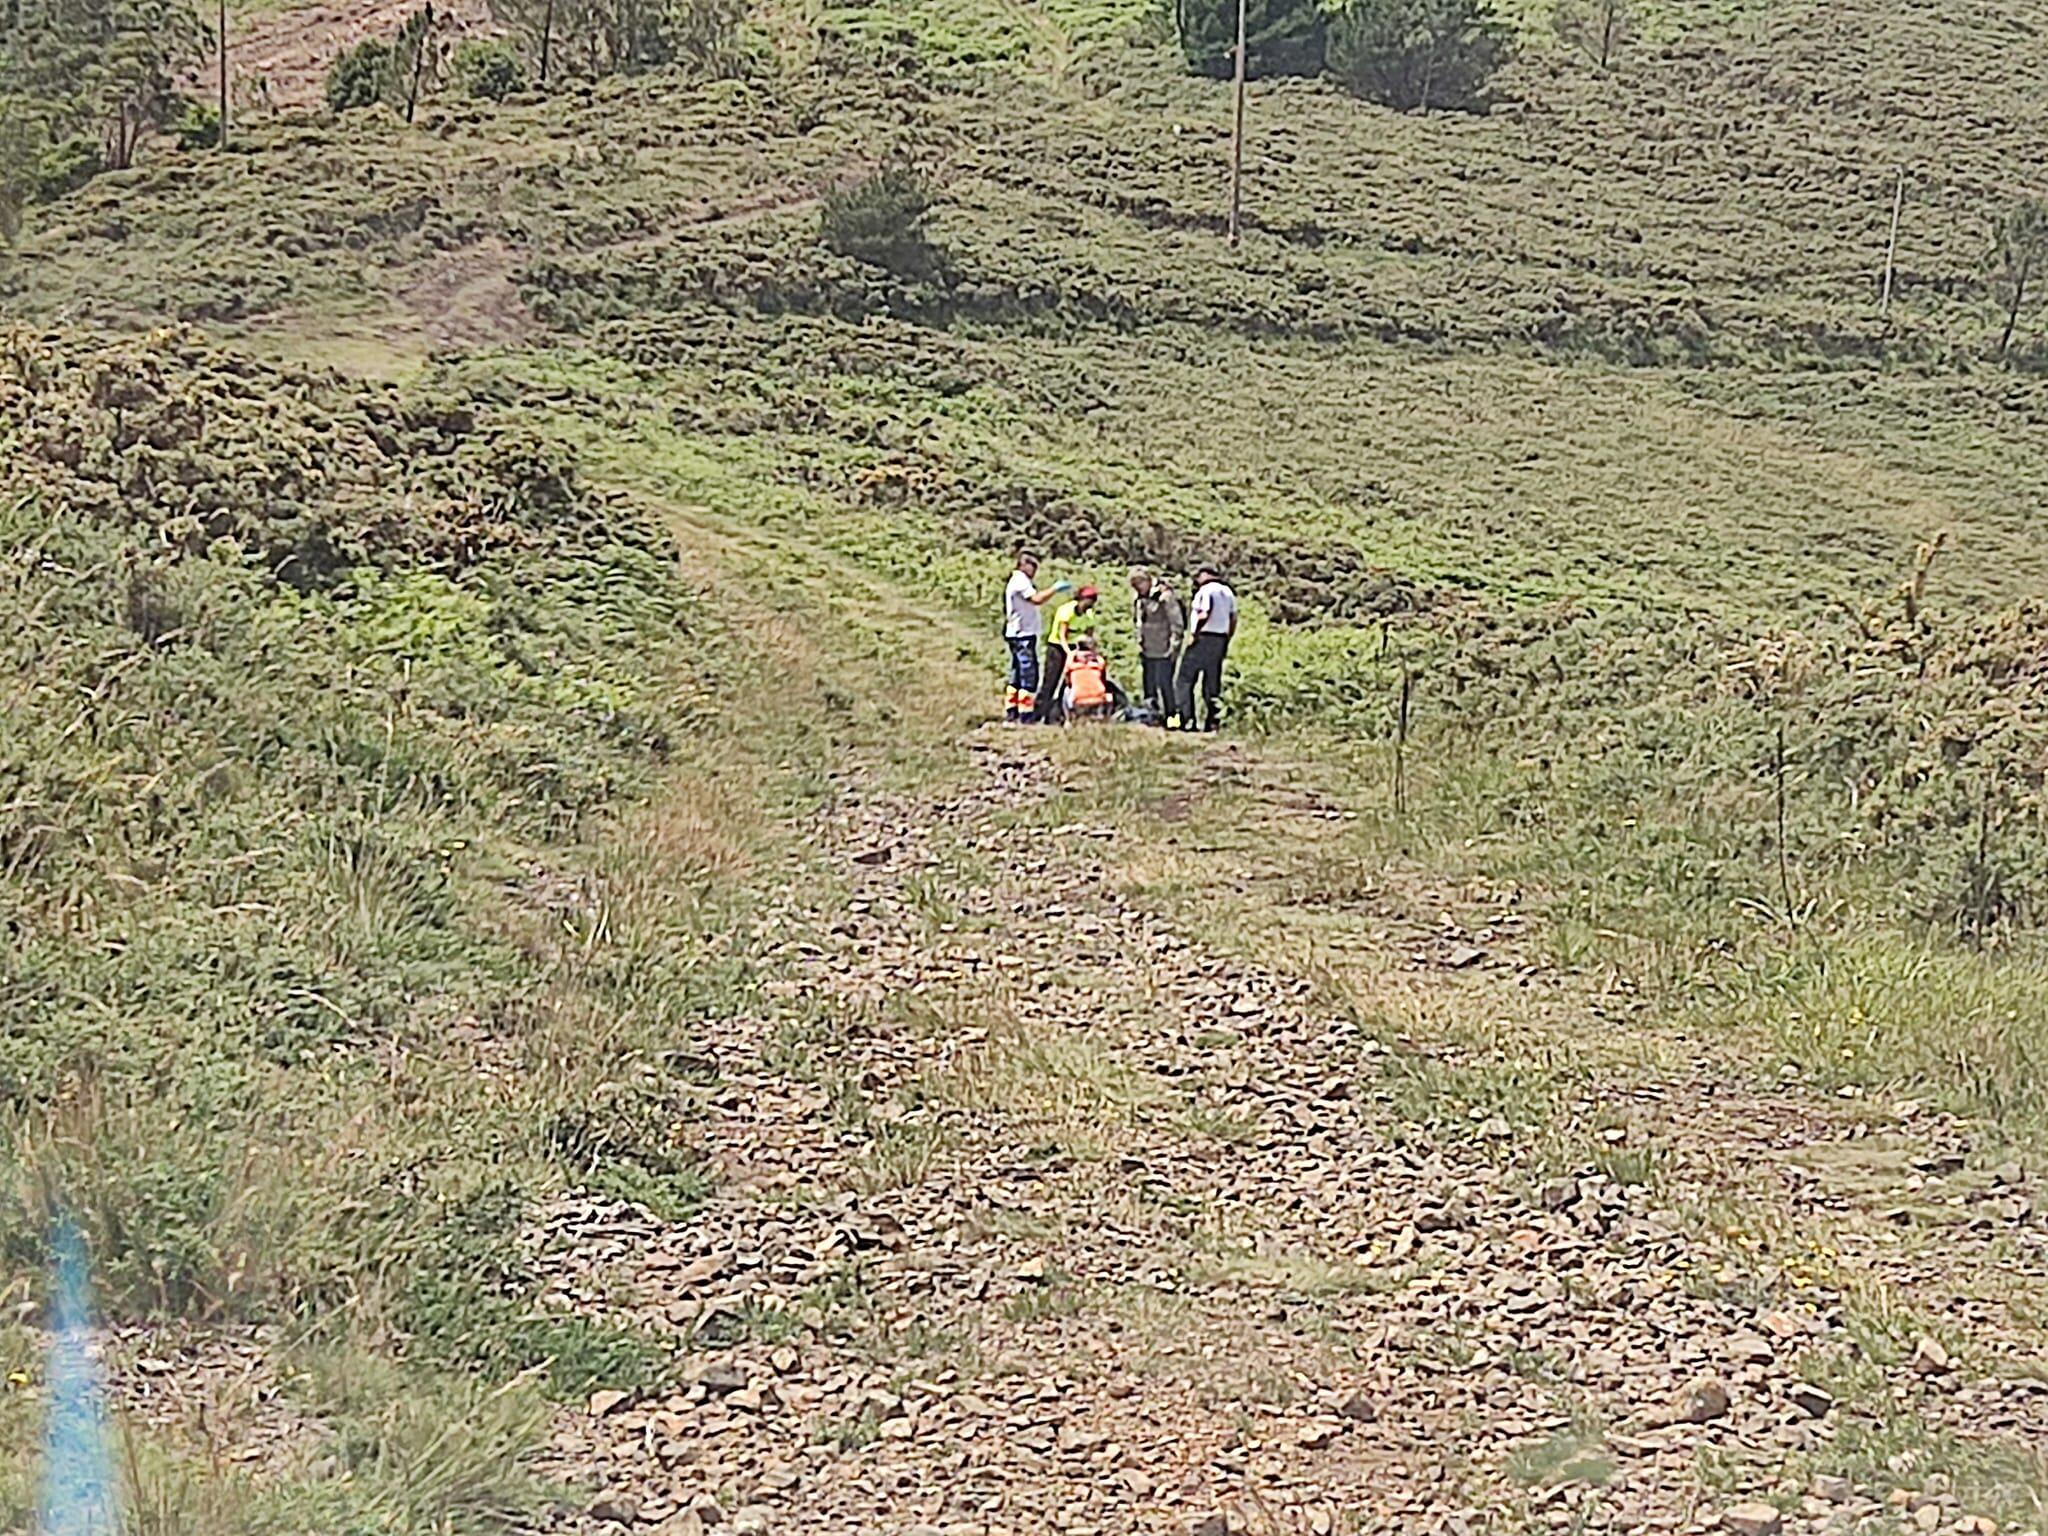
(454, 567)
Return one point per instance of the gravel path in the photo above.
(1030, 1216)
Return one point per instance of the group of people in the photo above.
(1179, 650)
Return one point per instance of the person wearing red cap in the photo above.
(1059, 639)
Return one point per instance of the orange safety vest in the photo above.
(1085, 679)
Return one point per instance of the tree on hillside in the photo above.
(2019, 260)
(704, 36)
(362, 77)
(416, 58)
(107, 66)
(489, 69)
(82, 84)
(1282, 37)
(1596, 28)
(393, 73)
(1420, 55)
(22, 138)
(605, 37)
(131, 81)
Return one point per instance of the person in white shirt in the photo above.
(1023, 623)
(1212, 620)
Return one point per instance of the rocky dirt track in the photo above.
(1031, 1215)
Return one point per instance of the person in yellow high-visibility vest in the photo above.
(1059, 639)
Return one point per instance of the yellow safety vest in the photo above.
(1062, 631)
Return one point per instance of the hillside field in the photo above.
(557, 1007)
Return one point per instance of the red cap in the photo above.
(1085, 593)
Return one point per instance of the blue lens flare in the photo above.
(78, 1473)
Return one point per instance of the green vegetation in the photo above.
(489, 70)
(1413, 55)
(2019, 254)
(1599, 29)
(82, 87)
(395, 746)
(1282, 37)
(881, 220)
(603, 37)
(391, 74)
(326, 693)
(365, 76)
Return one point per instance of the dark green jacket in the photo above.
(1160, 620)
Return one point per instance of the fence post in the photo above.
(1784, 866)
(1891, 249)
(1401, 743)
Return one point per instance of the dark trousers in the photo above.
(1203, 662)
(1022, 698)
(1158, 685)
(1050, 706)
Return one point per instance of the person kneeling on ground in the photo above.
(1090, 695)
(1059, 639)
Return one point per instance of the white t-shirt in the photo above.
(1214, 610)
(1022, 618)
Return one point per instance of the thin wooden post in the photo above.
(1401, 742)
(2019, 297)
(1891, 249)
(1784, 867)
(1977, 898)
(419, 59)
(547, 38)
(1237, 132)
(223, 74)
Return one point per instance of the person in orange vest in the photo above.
(1060, 635)
(1090, 695)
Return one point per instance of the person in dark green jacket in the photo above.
(1160, 623)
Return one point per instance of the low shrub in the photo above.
(1420, 55)
(489, 69)
(880, 220)
(363, 76)
(196, 126)
(66, 166)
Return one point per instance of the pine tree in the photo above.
(1420, 55)
(1596, 28)
(1282, 37)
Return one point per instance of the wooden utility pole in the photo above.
(1237, 133)
(223, 74)
(1891, 249)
